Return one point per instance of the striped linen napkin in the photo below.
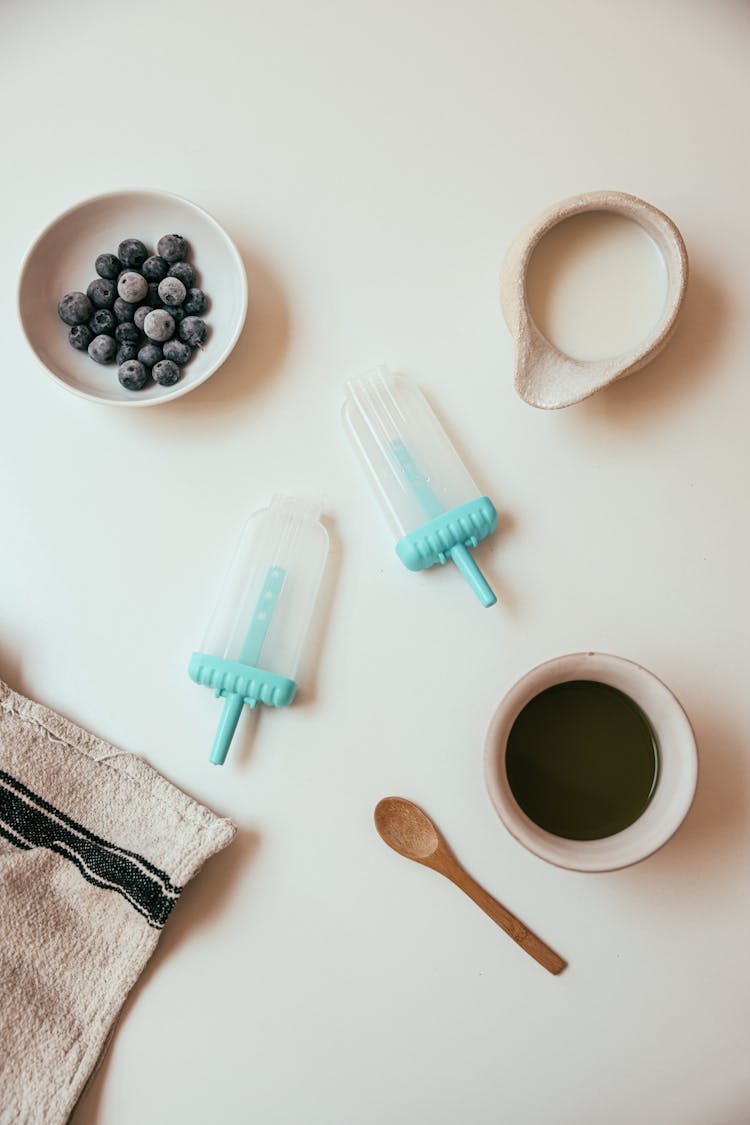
(95, 848)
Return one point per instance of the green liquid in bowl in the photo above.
(581, 760)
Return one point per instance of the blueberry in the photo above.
(101, 292)
(126, 352)
(133, 375)
(195, 302)
(153, 295)
(193, 331)
(184, 271)
(132, 286)
(172, 247)
(80, 336)
(132, 253)
(150, 354)
(178, 352)
(177, 312)
(102, 349)
(74, 308)
(127, 333)
(159, 325)
(172, 291)
(124, 310)
(103, 323)
(140, 315)
(166, 373)
(107, 265)
(154, 268)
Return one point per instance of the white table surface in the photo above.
(373, 161)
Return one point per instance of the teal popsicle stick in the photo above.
(418, 482)
(250, 654)
(432, 508)
(262, 614)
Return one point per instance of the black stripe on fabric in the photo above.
(21, 788)
(14, 839)
(28, 821)
(90, 877)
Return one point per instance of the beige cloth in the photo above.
(95, 847)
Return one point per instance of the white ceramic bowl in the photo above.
(62, 259)
(676, 780)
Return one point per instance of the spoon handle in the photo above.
(513, 926)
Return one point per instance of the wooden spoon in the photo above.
(411, 833)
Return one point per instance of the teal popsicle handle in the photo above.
(473, 575)
(230, 716)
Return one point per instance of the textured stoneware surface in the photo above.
(544, 376)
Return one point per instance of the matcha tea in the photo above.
(581, 760)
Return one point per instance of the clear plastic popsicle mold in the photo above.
(434, 508)
(251, 649)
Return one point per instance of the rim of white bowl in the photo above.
(678, 763)
(170, 394)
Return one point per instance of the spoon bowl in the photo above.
(406, 828)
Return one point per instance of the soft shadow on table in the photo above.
(690, 359)
(244, 736)
(314, 651)
(701, 853)
(202, 900)
(260, 350)
(10, 669)
(489, 556)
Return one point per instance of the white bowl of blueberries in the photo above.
(133, 298)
